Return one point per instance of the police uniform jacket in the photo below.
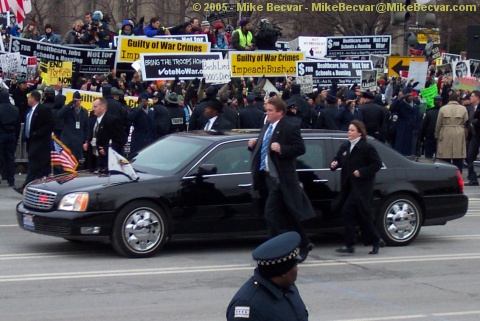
(143, 127)
(259, 299)
(75, 128)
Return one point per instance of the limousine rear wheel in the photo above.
(399, 219)
(140, 230)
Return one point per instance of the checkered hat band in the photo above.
(290, 256)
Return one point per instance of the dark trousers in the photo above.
(472, 152)
(8, 146)
(455, 161)
(430, 145)
(274, 207)
(352, 218)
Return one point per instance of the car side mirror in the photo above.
(207, 169)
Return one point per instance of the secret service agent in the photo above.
(270, 294)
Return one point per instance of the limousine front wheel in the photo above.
(399, 219)
(140, 229)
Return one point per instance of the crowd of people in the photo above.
(96, 30)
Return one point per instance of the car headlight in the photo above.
(74, 202)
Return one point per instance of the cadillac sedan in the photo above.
(198, 184)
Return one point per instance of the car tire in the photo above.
(140, 229)
(399, 219)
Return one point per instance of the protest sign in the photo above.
(312, 46)
(306, 83)
(345, 46)
(448, 58)
(89, 96)
(379, 63)
(87, 60)
(58, 72)
(418, 72)
(445, 70)
(171, 66)
(429, 93)
(345, 72)
(216, 71)
(11, 64)
(266, 63)
(188, 38)
(474, 68)
(469, 84)
(461, 68)
(31, 67)
(130, 48)
(369, 80)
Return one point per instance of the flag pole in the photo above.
(108, 165)
(51, 163)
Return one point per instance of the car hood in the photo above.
(84, 181)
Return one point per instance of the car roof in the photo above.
(251, 133)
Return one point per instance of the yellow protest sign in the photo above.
(270, 64)
(57, 71)
(130, 48)
(89, 96)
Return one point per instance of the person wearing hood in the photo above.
(72, 37)
(50, 37)
(9, 134)
(127, 28)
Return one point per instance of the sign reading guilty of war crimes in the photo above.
(171, 66)
(130, 48)
(88, 60)
(345, 72)
(266, 63)
(359, 46)
(191, 38)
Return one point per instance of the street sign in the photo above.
(398, 63)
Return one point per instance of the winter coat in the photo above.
(450, 131)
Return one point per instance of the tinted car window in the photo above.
(229, 158)
(168, 155)
(314, 157)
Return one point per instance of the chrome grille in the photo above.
(38, 198)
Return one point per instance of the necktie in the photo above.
(263, 151)
(27, 123)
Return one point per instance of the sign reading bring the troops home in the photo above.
(345, 72)
(260, 64)
(358, 46)
(89, 60)
(171, 66)
(130, 48)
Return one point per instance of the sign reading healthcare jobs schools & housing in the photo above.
(345, 72)
(264, 63)
(359, 46)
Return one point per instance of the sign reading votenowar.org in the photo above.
(358, 46)
(266, 63)
(130, 48)
(171, 66)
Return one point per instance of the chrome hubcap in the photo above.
(401, 220)
(143, 230)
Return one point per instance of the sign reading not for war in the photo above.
(345, 72)
(130, 48)
(171, 66)
(269, 64)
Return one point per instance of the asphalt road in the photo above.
(44, 278)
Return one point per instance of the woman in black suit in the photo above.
(360, 162)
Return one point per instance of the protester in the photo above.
(242, 38)
(155, 28)
(50, 37)
(72, 37)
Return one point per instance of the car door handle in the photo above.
(245, 186)
(320, 180)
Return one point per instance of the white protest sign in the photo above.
(11, 63)
(306, 83)
(216, 71)
(418, 71)
(369, 80)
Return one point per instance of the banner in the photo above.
(369, 80)
(171, 66)
(266, 63)
(216, 71)
(58, 72)
(88, 60)
(130, 48)
(466, 84)
(11, 64)
(345, 72)
(188, 38)
(359, 46)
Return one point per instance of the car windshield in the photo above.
(167, 156)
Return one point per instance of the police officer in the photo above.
(178, 121)
(9, 133)
(270, 294)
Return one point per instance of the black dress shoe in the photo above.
(472, 183)
(346, 249)
(376, 247)
(19, 190)
(304, 252)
